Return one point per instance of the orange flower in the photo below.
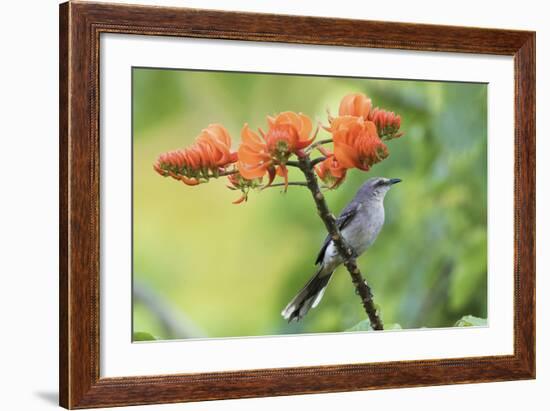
(288, 134)
(356, 142)
(330, 170)
(355, 104)
(254, 158)
(205, 158)
(215, 144)
(387, 123)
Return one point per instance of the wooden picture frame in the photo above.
(80, 27)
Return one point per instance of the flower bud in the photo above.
(387, 123)
(205, 158)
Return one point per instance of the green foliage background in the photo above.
(223, 270)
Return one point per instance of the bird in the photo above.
(360, 223)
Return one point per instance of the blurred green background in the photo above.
(203, 267)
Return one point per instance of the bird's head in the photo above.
(376, 188)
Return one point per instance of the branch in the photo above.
(317, 160)
(317, 144)
(291, 163)
(224, 173)
(345, 251)
(290, 183)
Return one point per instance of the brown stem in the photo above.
(345, 251)
(290, 183)
(224, 173)
(317, 160)
(317, 144)
(291, 163)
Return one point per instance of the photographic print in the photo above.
(278, 204)
(240, 194)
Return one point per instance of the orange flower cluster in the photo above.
(288, 134)
(356, 142)
(207, 157)
(358, 135)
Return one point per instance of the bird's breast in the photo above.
(364, 231)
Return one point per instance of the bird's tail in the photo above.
(308, 297)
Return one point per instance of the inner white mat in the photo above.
(121, 357)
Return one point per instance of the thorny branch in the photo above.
(361, 286)
(290, 183)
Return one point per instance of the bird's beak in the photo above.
(395, 181)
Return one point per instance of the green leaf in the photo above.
(143, 336)
(365, 326)
(471, 321)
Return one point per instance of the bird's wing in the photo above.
(342, 221)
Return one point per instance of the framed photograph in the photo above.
(259, 205)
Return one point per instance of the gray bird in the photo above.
(360, 222)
